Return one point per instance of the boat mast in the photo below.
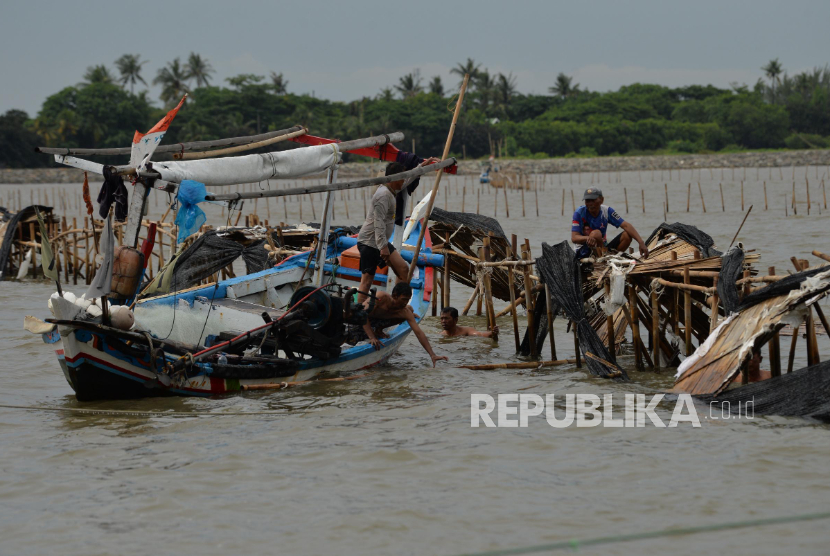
(323, 238)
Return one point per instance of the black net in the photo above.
(540, 325)
(781, 287)
(704, 243)
(731, 269)
(559, 270)
(802, 393)
(476, 222)
(206, 256)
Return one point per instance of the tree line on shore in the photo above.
(103, 111)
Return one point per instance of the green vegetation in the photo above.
(102, 111)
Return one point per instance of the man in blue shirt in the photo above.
(590, 225)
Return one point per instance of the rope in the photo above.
(576, 544)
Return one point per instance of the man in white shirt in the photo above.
(373, 240)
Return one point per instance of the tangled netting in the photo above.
(704, 243)
(559, 270)
(205, 257)
(473, 221)
(779, 288)
(731, 269)
(803, 393)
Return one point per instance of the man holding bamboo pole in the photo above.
(373, 241)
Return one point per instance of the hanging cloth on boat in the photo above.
(102, 282)
(190, 217)
(47, 259)
(112, 191)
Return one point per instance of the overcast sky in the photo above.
(346, 50)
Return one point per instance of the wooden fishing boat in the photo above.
(101, 362)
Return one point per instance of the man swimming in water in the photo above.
(449, 322)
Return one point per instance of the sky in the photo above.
(347, 50)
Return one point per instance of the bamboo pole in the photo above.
(563, 201)
(445, 288)
(470, 300)
(435, 298)
(766, 205)
(521, 365)
(625, 193)
(239, 148)
(702, 201)
(655, 328)
(511, 286)
(488, 290)
(687, 312)
(688, 197)
(643, 197)
(715, 301)
(774, 345)
(577, 355)
(506, 206)
(722, 204)
(548, 305)
(536, 194)
(609, 323)
(791, 358)
(666, 187)
(438, 175)
(529, 301)
(634, 323)
(742, 195)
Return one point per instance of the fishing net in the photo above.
(464, 233)
(540, 325)
(205, 257)
(560, 271)
(476, 222)
(802, 393)
(704, 243)
(781, 287)
(732, 265)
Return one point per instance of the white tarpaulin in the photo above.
(252, 168)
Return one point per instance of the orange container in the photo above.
(350, 258)
(126, 270)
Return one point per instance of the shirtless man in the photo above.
(396, 307)
(449, 322)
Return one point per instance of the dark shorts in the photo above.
(614, 243)
(370, 258)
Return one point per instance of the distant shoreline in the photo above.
(774, 159)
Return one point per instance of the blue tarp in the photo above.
(190, 217)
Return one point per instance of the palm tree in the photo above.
(469, 67)
(436, 86)
(485, 87)
(199, 69)
(173, 81)
(505, 89)
(280, 83)
(564, 86)
(773, 69)
(386, 94)
(410, 84)
(97, 74)
(130, 69)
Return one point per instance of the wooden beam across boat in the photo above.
(356, 184)
(172, 148)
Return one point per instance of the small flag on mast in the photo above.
(144, 144)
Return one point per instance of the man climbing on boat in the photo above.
(392, 310)
(373, 240)
(449, 322)
(590, 225)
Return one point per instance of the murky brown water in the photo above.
(389, 464)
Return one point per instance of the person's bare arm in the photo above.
(371, 335)
(422, 338)
(494, 333)
(635, 235)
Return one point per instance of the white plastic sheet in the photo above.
(251, 168)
